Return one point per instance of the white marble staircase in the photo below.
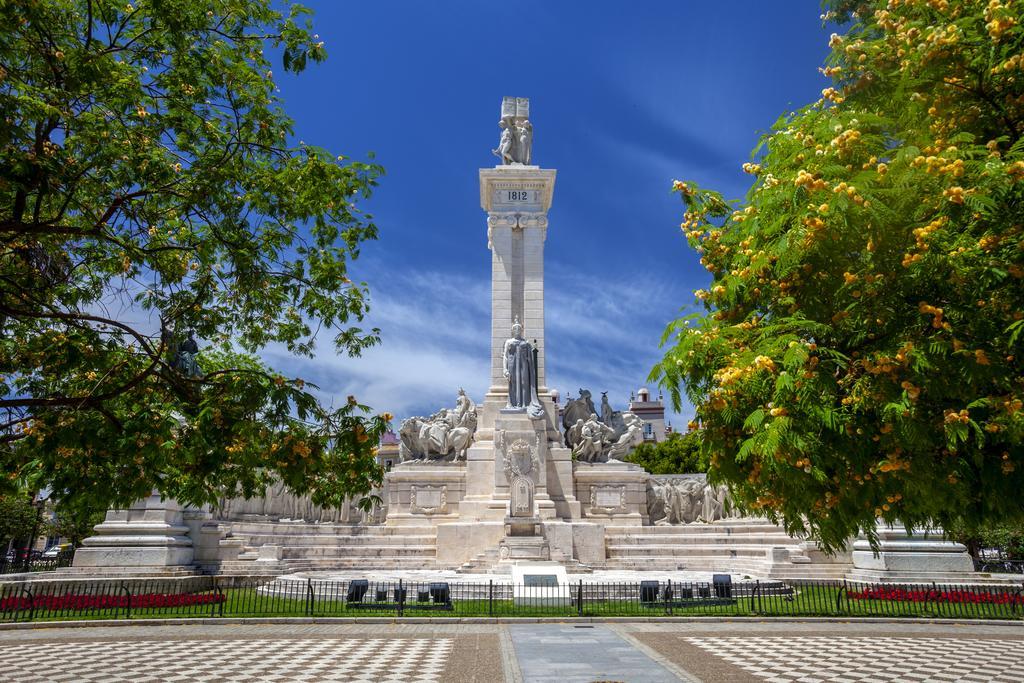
(748, 546)
(285, 547)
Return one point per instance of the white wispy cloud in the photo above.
(436, 338)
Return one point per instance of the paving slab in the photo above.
(551, 653)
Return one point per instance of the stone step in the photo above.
(689, 552)
(295, 540)
(286, 528)
(361, 563)
(774, 540)
(313, 551)
(696, 528)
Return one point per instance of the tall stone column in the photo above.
(517, 196)
(516, 199)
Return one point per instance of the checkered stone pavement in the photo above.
(188, 661)
(871, 660)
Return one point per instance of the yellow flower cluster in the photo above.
(999, 19)
(809, 181)
(934, 311)
(1016, 170)
(1013, 63)
(922, 234)
(989, 242)
(845, 141)
(752, 169)
(850, 192)
(732, 374)
(680, 186)
(953, 417)
(954, 194)
(940, 165)
(833, 95)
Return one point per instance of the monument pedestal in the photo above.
(149, 537)
(924, 555)
(424, 493)
(613, 492)
(524, 541)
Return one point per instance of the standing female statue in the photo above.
(520, 372)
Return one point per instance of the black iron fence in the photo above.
(999, 565)
(217, 597)
(22, 561)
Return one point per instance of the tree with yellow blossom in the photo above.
(160, 226)
(860, 353)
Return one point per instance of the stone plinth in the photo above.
(540, 583)
(523, 548)
(921, 555)
(150, 536)
(612, 492)
(424, 493)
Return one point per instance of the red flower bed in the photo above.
(895, 594)
(71, 601)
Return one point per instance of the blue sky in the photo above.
(624, 97)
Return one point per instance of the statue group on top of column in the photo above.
(685, 500)
(445, 435)
(516, 143)
(612, 436)
(520, 369)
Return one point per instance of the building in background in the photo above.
(387, 450)
(652, 412)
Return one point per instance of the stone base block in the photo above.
(916, 555)
(613, 492)
(132, 557)
(423, 493)
(524, 548)
(540, 583)
(151, 533)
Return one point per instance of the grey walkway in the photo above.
(549, 653)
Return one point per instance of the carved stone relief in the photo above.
(428, 500)
(607, 500)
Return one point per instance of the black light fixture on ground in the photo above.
(357, 590)
(440, 593)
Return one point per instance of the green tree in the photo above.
(860, 354)
(149, 187)
(678, 454)
(18, 518)
(74, 519)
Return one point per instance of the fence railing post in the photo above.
(579, 599)
(219, 607)
(490, 598)
(31, 603)
(667, 598)
(839, 597)
(128, 600)
(309, 597)
(401, 598)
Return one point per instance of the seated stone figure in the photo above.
(445, 435)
